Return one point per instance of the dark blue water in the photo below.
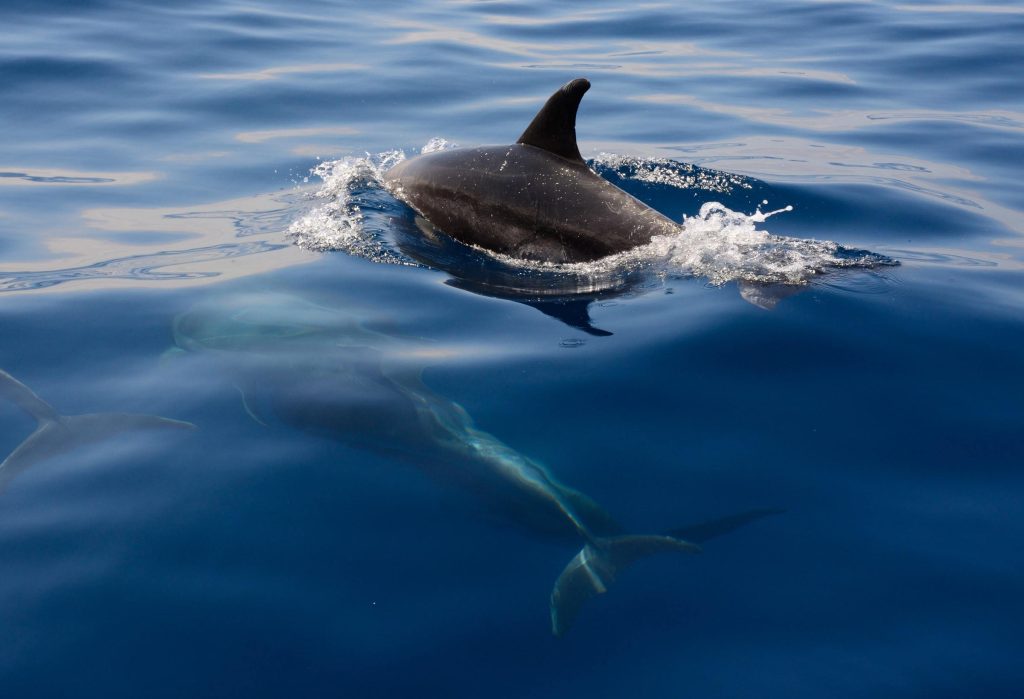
(307, 538)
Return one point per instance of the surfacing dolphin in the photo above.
(535, 199)
(321, 369)
(60, 434)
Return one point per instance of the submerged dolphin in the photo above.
(323, 370)
(59, 434)
(535, 199)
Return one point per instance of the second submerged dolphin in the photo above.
(321, 369)
(535, 199)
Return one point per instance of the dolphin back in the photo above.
(525, 202)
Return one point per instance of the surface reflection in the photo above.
(272, 134)
(226, 239)
(279, 71)
(831, 120)
(17, 176)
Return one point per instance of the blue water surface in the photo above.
(863, 424)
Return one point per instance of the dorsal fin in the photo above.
(554, 127)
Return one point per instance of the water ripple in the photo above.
(145, 268)
(49, 176)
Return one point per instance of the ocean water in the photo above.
(823, 369)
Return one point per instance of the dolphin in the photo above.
(59, 434)
(321, 369)
(535, 199)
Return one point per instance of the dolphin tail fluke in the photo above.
(23, 396)
(59, 434)
(594, 568)
(67, 433)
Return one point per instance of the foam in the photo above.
(342, 218)
(661, 171)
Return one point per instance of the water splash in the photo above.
(718, 243)
(349, 218)
(724, 245)
(437, 144)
